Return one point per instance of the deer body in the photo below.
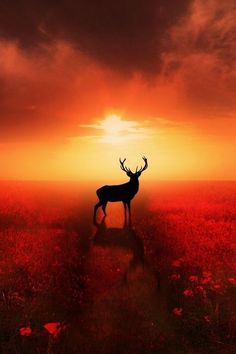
(120, 193)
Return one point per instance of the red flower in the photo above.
(175, 277)
(25, 331)
(188, 292)
(217, 286)
(207, 277)
(206, 274)
(232, 281)
(207, 318)
(193, 278)
(177, 311)
(53, 328)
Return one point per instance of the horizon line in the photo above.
(100, 180)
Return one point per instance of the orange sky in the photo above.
(82, 84)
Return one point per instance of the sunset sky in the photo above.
(83, 83)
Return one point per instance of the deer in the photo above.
(122, 192)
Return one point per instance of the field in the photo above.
(166, 284)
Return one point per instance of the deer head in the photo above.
(138, 171)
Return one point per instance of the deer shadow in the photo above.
(125, 238)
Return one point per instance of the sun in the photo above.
(116, 130)
(113, 125)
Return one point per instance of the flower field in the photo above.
(165, 285)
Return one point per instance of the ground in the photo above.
(165, 284)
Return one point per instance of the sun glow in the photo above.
(116, 130)
(113, 125)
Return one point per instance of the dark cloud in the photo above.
(202, 57)
(126, 35)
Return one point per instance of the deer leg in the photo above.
(125, 206)
(104, 208)
(96, 208)
(129, 209)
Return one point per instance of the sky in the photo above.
(83, 83)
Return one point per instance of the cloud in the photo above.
(202, 57)
(45, 91)
(65, 63)
(124, 35)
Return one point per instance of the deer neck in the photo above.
(134, 183)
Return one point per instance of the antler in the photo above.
(124, 168)
(144, 167)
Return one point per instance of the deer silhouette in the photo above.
(121, 192)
